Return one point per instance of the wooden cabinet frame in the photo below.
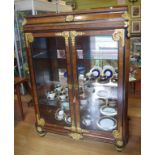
(69, 26)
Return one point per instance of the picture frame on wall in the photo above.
(135, 51)
(135, 11)
(136, 26)
(135, 44)
(137, 48)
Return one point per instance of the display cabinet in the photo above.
(79, 72)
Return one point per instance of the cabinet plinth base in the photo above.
(119, 145)
(40, 130)
(76, 136)
(119, 149)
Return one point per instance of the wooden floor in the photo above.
(27, 142)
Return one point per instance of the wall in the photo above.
(90, 4)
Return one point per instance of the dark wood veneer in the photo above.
(92, 23)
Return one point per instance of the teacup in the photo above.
(57, 85)
(58, 89)
(51, 95)
(88, 74)
(63, 91)
(62, 97)
(65, 105)
(60, 115)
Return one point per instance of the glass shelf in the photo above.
(100, 55)
(91, 58)
(110, 84)
(45, 57)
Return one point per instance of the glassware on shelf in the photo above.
(103, 79)
(63, 116)
(68, 119)
(59, 114)
(86, 120)
(61, 54)
(79, 53)
(112, 102)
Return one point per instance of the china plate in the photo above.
(102, 93)
(108, 111)
(96, 71)
(107, 123)
(108, 71)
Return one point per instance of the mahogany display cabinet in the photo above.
(78, 64)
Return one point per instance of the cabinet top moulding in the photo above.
(111, 17)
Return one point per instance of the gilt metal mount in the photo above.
(73, 34)
(118, 35)
(64, 34)
(28, 38)
(40, 121)
(69, 18)
(127, 23)
(76, 136)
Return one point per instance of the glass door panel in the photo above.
(97, 68)
(50, 70)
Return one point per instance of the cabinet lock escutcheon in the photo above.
(69, 18)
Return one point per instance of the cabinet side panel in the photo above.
(126, 81)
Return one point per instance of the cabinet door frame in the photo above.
(29, 38)
(118, 35)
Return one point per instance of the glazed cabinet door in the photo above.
(98, 82)
(51, 76)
